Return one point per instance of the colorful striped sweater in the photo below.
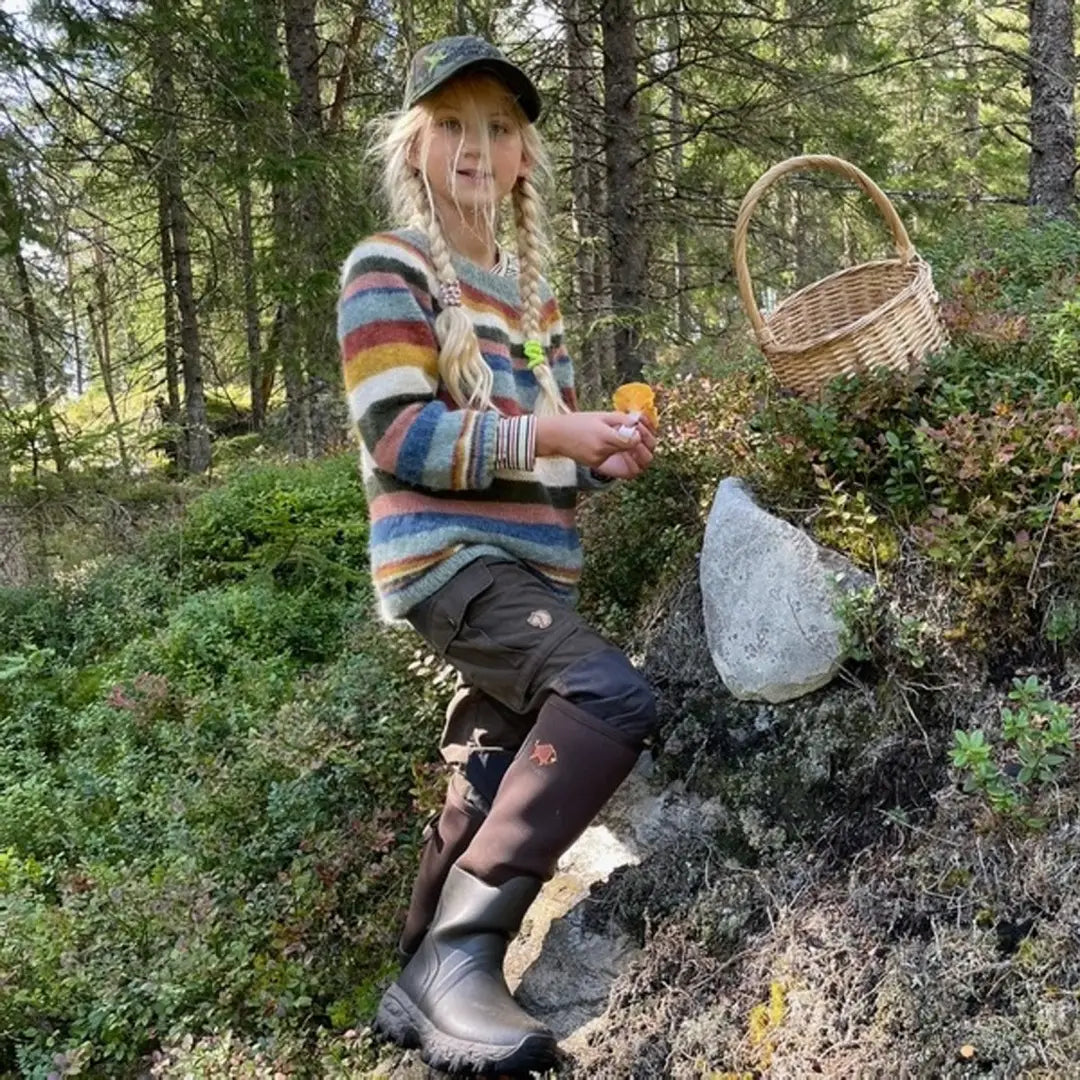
(446, 485)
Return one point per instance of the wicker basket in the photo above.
(876, 314)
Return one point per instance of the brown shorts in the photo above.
(509, 636)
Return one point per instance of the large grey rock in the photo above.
(769, 594)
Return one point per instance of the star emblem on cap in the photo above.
(434, 59)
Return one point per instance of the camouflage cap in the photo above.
(433, 65)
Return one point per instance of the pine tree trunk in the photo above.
(169, 410)
(680, 281)
(605, 334)
(406, 25)
(625, 184)
(11, 237)
(37, 360)
(578, 38)
(971, 95)
(275, 125)
(196, 432)
(100, 329)
(1052, 76)
(76, 337)
(307, 384)
(251, 297)
(286, 340)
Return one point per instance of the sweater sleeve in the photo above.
(389, 356)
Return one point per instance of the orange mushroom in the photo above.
(637, 397)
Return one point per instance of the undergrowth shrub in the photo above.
(969, 466)
(1013, 768)
(973, 465)
(211, 760)
(301, 523)
(639, 536)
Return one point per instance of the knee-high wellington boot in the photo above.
(476, 732)
(451, 1000)
(448, 837)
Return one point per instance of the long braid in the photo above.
(461, 366)
(530, 240)
(414, 209)
(467, 377)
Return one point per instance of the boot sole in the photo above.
(403, 1023)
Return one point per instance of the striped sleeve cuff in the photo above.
(515, 443)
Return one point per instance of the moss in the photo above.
(765, 1019)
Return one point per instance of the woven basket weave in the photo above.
(881, 314)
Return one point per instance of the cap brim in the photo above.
(515, 80)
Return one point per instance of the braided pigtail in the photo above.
(401, 142)
(467, 376)
(530, 240)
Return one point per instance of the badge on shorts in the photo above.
(539, 618)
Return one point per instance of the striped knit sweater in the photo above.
(446, 485)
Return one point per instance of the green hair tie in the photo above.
(534, 353)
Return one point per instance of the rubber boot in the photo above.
(451, 1000)
(447, 839)
(477, 730)
(569, 766)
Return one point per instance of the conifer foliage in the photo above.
(179, 182)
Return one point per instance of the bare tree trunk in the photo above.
(196, 430)
(1052, 76)
(37, 361)
(169, 407)
(579, 42)
(683, 324)
(76, 337)
(622, 143)
(251, 297)
(99, 328)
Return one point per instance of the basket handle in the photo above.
(806, 161)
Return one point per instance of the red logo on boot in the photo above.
(543, 753)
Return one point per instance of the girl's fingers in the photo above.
(626, 423)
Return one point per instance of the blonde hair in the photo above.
(402, 140)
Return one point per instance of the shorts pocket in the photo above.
(465, 622)
(443, 616)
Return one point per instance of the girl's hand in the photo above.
(591, 438)
(630, 463)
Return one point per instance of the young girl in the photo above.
(473, 456)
